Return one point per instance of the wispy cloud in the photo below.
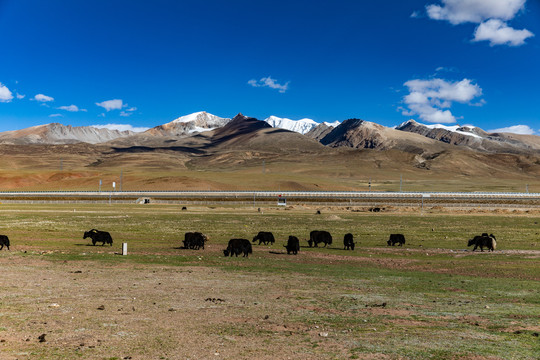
(56, 115)
(5, 94)
(71, 108)
(269, 82)
(128, 111)
(43, 98)
(115, 104)
(491, 15)
(515, 129)
(121, 127)
(431, 99)
(20, 96)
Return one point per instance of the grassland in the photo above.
(432, 299)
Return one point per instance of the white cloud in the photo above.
(515, 129)
(71, 108)
(128, 111)
(121, 127)
(56, 115)
(5, 94)
(115, 104)
(431, 99)
(269, 82)
(20, 96)
(498, 32)
(492, 15)
(475, 11)
(43, 98)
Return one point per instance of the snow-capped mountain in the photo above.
(56, 133)
(472, 137)
(193, 123)
(301, 126)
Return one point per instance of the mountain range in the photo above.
(409, 136)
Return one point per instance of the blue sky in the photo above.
(143, 63)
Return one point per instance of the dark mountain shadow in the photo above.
(148, 149)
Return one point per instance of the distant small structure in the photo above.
(143, 200)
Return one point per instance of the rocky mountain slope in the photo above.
(60, 134)
(474, 138)
(320, 131)
(361, 134)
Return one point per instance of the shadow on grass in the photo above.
(185, 248)
(277, 252)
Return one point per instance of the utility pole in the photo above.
(369, 184)
(100, 182)
(121, 176)
(400, 182)
(61, 164)
(264, 167)
(527, 188)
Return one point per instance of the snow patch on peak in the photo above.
(411, 121)
(201, 116)
(463, 130)
(332, 124)
(301, 126)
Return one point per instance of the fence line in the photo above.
(270, 203)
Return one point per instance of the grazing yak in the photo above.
(316, 237)
(396, 238)
(238, 246)
(348, 242)
(482, 241)
(264, 237)
(4, 241)
(98, 236)
(293, 245)
(194, 240)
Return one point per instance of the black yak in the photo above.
(264, 237)
(348, 242)
(238, 246)
(4, 241)
(194, 240)
(316, 237)
(98, 236)
(396, 238)
(293, 245)
(482, 241)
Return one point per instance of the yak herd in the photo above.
(196, 240)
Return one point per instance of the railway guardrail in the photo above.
(272, 194)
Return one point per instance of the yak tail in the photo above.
(494, 243)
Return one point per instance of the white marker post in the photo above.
(110, 194)
(124, 248)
